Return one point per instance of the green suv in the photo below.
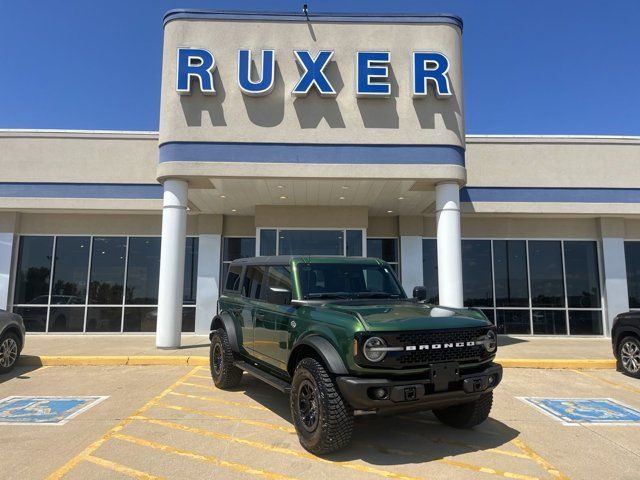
(340, 336)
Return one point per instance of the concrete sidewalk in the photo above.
(525, 352)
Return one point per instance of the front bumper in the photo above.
(417, 395)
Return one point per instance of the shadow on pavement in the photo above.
(20, 372)
(408, 438)
(504, 340)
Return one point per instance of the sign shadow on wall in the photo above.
(195, 104)
(311, 109)
(381, 112)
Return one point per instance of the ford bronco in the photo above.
(340, 336)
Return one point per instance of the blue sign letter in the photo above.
(370, 66)
(195, 63)
(313, 73)
(430, 66)
(265, 85)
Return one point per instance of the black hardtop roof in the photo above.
(286, 259)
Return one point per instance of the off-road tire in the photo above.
(224, 373)
(333, 425)
(11, 343)
(466, 415)
(629, 346)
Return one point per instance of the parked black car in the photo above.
(11, 340)
(625, 337)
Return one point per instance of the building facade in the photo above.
(326, 135)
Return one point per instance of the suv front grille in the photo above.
(442, 354)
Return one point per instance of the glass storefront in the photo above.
(95, 284)
(632, 256)
(337, 242)
(542, 287)
(386, 249)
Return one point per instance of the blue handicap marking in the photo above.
(45, 410)
(580, 411)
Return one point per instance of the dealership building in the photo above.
(323, 135)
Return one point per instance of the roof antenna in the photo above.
(305, 10)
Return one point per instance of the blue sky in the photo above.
(538, 67)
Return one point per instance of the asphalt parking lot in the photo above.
(170, 422)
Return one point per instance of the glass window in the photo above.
(383, 248)
(104, 319)
(233, 278)
(143, 271)
(430, 269)
(550, 322)
(514, 322)
(140, 319)
(476, 273)
(279, 278)
(583, 279)
(490, 314)
(188, 319)
(632, 255)
(235, 248)
(190, 271)
(66, 319)
(70, 271)
(545, 265)
(34, 270)
(268, 242)
(354, 243)
(585, 322)
(253, 278)
(510, 271)
(107, 270)
(35, 318)
(311, 242)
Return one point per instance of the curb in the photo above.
(198, 360)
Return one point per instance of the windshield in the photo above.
(348, 280)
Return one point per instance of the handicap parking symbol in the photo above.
(585, 411)
(44, 410)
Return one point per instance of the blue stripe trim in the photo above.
(80, 190)
(547, 195)
(310, 153)
(437, 18)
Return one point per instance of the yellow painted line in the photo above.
(221, 401)
(491, 471)
(158, 360)
(116, 467)
(219, 416)
(208, 377)
(73, 462)
(203, 458)
(200, 385)
(557, 363)
(200, 361)
(274, 448)
(609, 382)
(550, 469)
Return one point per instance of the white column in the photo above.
(411, 262)
(171, 283)
(615, 279)
(208, 281)
(449, 244)
(6, 254)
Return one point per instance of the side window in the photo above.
(233, 278)
(253, 279)
(278, 289)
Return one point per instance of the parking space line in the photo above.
(203, 458)
(550, 469)
(273, 448)
(208, 377)
(221, 401)
(199, 385)
(116, 467)
(608, 382)
(219, 416)
(73, 462)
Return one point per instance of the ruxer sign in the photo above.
(371, 67)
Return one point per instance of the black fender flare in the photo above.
(623, 332)
(224, 320)
(325, 350)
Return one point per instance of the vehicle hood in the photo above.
(404, 315)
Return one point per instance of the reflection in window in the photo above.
(232, 278)
(585, 322)
(278, 278)
(104, 319)
(34, 270)
(583, 279)
(140, 319)
(253, 279)
(430, 269)
(354, 243)
(515, 322)
(107, 270)
(70, 271)
(66, 319)
(143, 271)
(189, 319)
(311, 242)
(632, 255)
(476, 273)
(510, 270)
(547, 286)
(190, 271)
(235, 248)
(34, 318)
(549, 322)
(268, 239)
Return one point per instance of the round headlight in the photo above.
(491, 341)
(374, 349)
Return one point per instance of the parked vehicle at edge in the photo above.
(625, 339)
(340, 336)
(11, 340)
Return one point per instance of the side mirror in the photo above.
(420, 293)
(279, 296)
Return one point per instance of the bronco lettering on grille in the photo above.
(437, 346)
